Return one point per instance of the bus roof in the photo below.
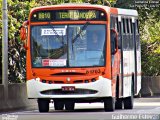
(128, 12)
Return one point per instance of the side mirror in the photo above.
(23, 33)
(114, 41)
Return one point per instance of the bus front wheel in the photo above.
(109, 104)
(43, 105)
(128, 103)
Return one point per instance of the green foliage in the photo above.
(149, 19)
(124, 3)
(151, 47)
(17, 13)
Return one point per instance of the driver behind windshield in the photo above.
(94, 42)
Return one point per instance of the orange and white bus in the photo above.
(80, 53)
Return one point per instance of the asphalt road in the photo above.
(144, 109)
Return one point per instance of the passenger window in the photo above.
(127, 23)
(117, 27)
(124, 28)
(131, 30)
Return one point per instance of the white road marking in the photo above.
(147, 104)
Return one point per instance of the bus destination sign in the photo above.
(77, 15)
(63, 15)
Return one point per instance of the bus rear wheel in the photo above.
(109, 104)
(128, 101)
(69, 105)
(58, 104)
(119, 103)
(43, 105)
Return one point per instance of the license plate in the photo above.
(68, 88)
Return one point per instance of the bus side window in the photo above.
(127, 26)
(130, 24)
(116, 25)
(119, 30)
(124, 26)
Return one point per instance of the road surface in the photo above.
(144, 109)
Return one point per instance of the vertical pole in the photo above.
(5, 48)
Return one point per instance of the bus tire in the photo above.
(128, 101)
(58, 104)
(43, 105)
(109, 104)
(119, 103)
(69, 105)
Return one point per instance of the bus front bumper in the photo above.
(97, 89)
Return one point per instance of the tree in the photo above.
(150, 41)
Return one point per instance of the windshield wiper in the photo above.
(83, 28)
(78, 35)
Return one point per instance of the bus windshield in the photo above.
(68, 45)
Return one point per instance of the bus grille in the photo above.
(76, 92)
